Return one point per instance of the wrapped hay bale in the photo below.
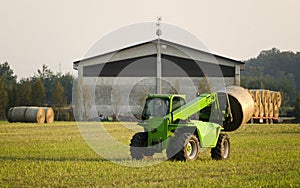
(9, 114)
(26, 114)
(35, 115)
(17, 114)
(49, 114)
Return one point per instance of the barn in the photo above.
(118, 81)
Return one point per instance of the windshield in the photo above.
(158, 107)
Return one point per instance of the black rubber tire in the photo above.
(222, 149)
(138, 146)
(183, 147)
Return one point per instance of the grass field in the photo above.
(56, 155)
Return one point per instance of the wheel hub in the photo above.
(191, 149)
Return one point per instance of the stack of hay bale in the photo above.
(266, 104)
(31, 114)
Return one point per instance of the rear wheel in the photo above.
(182, 147)
(222, 149)
(138, 146)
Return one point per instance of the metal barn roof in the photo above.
(149, 48)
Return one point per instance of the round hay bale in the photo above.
(274, 97)
(257, 96)
(256, 109)
(251, 92)
(266, 109)
(49, 114)
(261, 109)
(267, 103)
(242, 107)
(263, 96)
(273, 102)
(35, 114)
(9, 114)
(271, 110)
(17, 114)
(276, 111)
(279, 99)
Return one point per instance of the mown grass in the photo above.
(56, 155)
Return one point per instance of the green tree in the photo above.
(274, 70)
(44, 73)
(24, 92)
(49, 81)
(10, 82)
(39, 93)
(67, 82)
(6, 72)
(3, 98)
(297, 107)
(57, 95)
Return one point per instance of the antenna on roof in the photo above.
(158, 69)
(158, 31)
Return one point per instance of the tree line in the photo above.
(45, 88)
(271, 69)
(277, 71)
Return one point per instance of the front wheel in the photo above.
(183, 147)
(138, 146)
(222, 149)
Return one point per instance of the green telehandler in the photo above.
(168, 124)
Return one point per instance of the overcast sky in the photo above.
(54, 32)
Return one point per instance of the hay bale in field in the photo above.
(279, 99)
(251, 92)
(256, 109)
(242, 107)
(49, 114)
(266, 103)
(17, 114)
(35, 115)
(276, 111)
(263, 96)
(9, 114)
(257, 96)
(26, 114)
(271, 110)
(261, 109)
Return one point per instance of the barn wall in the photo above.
(126, 95)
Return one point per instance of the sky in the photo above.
(58, 32)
